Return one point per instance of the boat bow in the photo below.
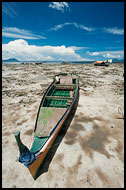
(26, 157)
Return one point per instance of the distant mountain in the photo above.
(117, 60)
(11, 60)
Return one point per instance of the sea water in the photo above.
(46, 62)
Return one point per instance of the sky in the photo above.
(62, 31)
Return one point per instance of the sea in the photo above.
(47, 62)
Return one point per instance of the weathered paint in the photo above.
(36, 165)
(41, 154)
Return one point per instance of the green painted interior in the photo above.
(47, 114)
(37, 143)
(51, 91)
(63, 95)
(58, 103)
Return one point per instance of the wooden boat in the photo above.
(101, 63)
(64, 63)
(54, 108)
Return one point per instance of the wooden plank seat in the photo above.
(58, 97)
(66, 80)
(64, 84)
(47, 120)
(65, 87)
(69, 102)
(69, 99)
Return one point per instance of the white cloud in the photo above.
(86, 28)
(76, 48)
(57, 27)
(81, 26)
(21, 50)
(61, 6)
(114, 30)
(8, 8)
(107, 54)
(93, 53)
(13, 32)
(89, 29)
(112, 55)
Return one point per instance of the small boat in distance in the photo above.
(53, 111)
(64, 62)
(101, 63)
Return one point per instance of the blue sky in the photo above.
(69, 31)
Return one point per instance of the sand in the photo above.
(90, 153)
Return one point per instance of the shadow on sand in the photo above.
(45, 164)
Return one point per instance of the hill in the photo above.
(11, 60)
(117, 60)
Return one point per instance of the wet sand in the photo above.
(91, 151)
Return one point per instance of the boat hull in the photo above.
(53, 111)
(98, 64)
(34, 168)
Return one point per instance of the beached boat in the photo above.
(64, 62)
(54, 108)
(101, 63)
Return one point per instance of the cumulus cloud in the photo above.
(21, 50)
(114, 30)
(107, 54)
(61, 6)
(81, 26)
(13, 32)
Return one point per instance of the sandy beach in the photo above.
(90, 153)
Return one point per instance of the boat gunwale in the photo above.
(56, 127)
(42, 100)
(67, 109)
(52, 138)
